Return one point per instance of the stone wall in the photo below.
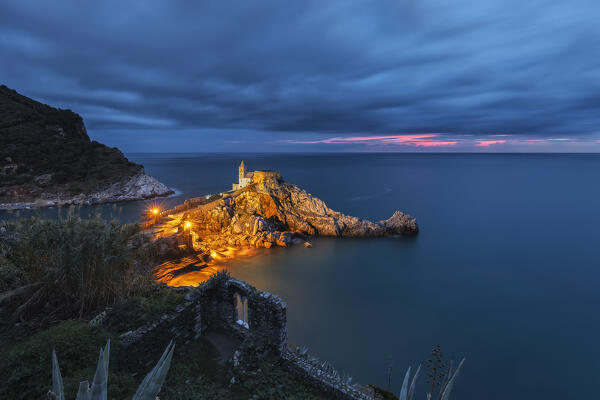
(260, 331)
(211, 306)
(323, 376)
(261, 176)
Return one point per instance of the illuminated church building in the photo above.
(247, 178)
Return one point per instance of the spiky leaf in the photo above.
(448, 375)
(57, 382)
(149, 388)
(84, 391)
(448, 388)
(404, 390)
(100, 382)
(107, 355)
(413, 384)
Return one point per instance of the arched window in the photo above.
(241, 310)
(245, 301)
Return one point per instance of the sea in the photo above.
(504, 272)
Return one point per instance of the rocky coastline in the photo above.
(47, 159)
(264, 214)
(137, 187)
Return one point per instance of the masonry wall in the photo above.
(261, 176)
(211, 306)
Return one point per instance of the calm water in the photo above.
(505, 270)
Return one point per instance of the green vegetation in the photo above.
(275, 383)
(41, 140)
(90, 282)
(70, 285)
(137, 310)
(59, 269)
(383, 394)
(439, 376)
(147, 390)
(26, 366)
(195, 373)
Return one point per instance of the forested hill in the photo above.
(48, 150)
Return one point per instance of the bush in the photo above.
(74, 267)
(10, 276)
(138, 310)
(26, 368)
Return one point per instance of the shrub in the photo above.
(98, 390)
(26, 366)
(75, 266)
(138, 310)
(10, 276)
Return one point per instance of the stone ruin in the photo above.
(254, 321)
(224, 305)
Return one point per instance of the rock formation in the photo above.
(137, 187)
(47, 158)
(272, 212)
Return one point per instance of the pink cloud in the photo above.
(434, 144)
(487, 143)
(397, 139)
(389, 139)
(431, 140)
(546, 140)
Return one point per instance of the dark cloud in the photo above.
(315, 67)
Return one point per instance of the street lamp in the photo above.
(187, 227)
(154, 213)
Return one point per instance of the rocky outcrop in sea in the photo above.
(138, 187)
(270, 213)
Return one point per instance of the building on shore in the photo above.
(246, 178)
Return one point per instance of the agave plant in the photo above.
(148, 389)
(408, 390)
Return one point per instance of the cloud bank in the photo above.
(405, 74)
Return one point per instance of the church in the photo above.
(247, 178)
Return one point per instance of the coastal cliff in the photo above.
(270, 212)
(47, 159)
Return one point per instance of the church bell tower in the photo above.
(242, 172)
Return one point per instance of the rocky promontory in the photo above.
(268, 213)
(137, 187)
(47, 159)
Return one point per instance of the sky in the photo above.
(296, 76)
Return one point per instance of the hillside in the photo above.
(46, 155)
